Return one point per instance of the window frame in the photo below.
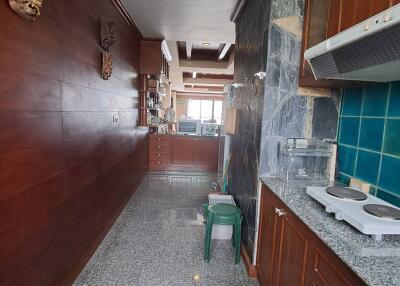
(212, 111)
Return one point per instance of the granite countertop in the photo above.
(375, 262)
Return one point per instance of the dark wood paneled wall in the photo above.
(66, 170)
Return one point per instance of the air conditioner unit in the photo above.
(369, 51)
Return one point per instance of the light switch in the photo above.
(115, 118)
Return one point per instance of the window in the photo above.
(218, 111)
(205, 110)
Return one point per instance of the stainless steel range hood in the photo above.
(369, 51)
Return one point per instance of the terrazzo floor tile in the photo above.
(158, 240)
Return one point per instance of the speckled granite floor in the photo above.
(158, 240)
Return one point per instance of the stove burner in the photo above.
(382, 211)
(346, 193)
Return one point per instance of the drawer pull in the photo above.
(159, 147)
(158, 162)
(280, 212)
(159, 154)
(159, 139)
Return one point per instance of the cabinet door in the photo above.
(317, 14)
(328, 270)
(266, 239)
(353, 12)
(293, 249)
(182, 151)
(207, 153)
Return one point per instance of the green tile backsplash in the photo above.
(369, 138)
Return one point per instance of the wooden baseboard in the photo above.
(250, 268)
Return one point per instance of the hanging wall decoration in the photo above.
(107, 66)
(107, 39)
(107, 35)
(27, 9)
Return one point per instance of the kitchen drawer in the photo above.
(157, 156)
(158, 164)
(159, 138)
(161, 147)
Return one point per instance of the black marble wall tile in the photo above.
(325, 118)
(252, 30)
(269, 110)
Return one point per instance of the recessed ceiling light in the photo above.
(206, 44)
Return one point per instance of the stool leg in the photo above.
(233, 235)
(207, 239)
(238, 232)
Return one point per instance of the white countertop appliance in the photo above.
(189, 127)
(209, 129)
(367, 213)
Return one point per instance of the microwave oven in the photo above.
(189, 127)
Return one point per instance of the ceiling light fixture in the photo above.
(206, 44)
(194, 74)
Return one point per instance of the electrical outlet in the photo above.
(115, 118)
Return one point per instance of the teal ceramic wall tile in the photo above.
(349, 130)
(344, 179)
(392, 137)
(388, 197)
(371, 133)
(389, 178)
(363, 133)
(394, 100)
(347, 159)
(367, 167)
(351, 101)
(372, 191)
(375, 100)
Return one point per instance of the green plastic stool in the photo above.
(223, 214)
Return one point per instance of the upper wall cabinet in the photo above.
(326, 18)
(154, 57)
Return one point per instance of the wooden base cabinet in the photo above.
(183, 153)
(327, 269)
(289, 253)
(284, 245)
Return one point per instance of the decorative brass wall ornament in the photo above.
(27, 9)
(107, 35)
(107, 66)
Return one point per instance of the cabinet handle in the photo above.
(280, 212)
(159, 139)
(159, 147)
(159, 155)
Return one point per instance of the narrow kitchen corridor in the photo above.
(200, 142)
(158, 240)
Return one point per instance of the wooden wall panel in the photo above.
(66, 170)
